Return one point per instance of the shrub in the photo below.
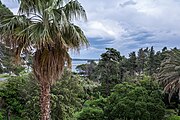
(174, 117)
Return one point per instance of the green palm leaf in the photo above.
(169, 75)
(47, 27)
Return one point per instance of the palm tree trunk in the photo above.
(45, 101)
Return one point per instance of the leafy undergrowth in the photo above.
(174, 117)
(1, 83)
(4, 75)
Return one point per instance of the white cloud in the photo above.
(157, 18)
(128, 24)
(105, 29)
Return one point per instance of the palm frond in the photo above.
(169, 75)
(46, 26)
(11, 28)
(74, 10)
(74, 37)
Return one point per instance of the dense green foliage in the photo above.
(93, 110)
(134, 96)
(174, 117)
(1, 117)
(119, 88)
(107, 70)
(115, 88)
(46, 30)
(113, 68)
(68, 95)
(116, 91)
(128, 101)
(91, 113)
(20, 95)
(11, 95)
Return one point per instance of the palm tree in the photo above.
(169, 75)
(45, 26)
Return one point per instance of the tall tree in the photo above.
(45, 26)
(141, 61)
(158, 58)
(164, 53)
(128, 101)
(122, 68)
(151, 61)
(87, 69)
(107, 71)
(132, 63)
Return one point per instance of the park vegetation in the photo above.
(142, 86)
(106, 90)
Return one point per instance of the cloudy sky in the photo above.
(127, 25)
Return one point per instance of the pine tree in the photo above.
(132, 63)
(141, 61)
(151, 61)
(107, 71)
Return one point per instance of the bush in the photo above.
(93, 110)
(174, 117)
(1, 117)
(132, 101)
(128, 101)
(20, 95)
(90, 113)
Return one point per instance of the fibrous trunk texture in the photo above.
(48, 65)
(45, 101)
